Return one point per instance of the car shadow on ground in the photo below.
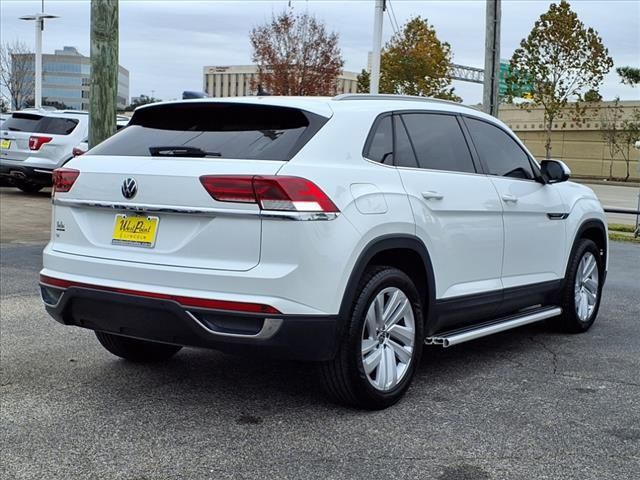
(208, 378)
(12, 191)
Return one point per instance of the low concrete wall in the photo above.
(578, 143)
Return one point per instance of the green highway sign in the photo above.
(502, 85)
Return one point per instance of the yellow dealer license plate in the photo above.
(135, 230)
(5, 143)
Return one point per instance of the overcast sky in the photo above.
(164, 44)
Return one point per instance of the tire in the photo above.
(345, 378)
(136, 350)
(582, 290)
(29, 187)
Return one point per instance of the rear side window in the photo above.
(501, 154)
(438, 142)
(227, 130)
(26, 122)
(380, 143)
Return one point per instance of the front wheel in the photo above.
(583, 288)
(381, 347)
(136, 350)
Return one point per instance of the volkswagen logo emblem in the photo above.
(129, 188)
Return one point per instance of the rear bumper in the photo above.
(17, 172)
(299, 337)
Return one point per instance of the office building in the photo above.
(238, 81)
(65, 80)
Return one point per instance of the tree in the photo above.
(416, 62)
(592, 96)
(610, 121)
(364, 82)
(16, 73)
(629, 75)
(629, 135)
(296, 56)
(558, 60)
(139, 101)
(619, 134)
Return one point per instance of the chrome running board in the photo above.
(461, 335)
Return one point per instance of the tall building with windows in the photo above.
(65, 79)
(236, 81)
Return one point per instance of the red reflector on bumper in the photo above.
(184, 301)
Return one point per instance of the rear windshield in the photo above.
(28, 122)
(227, 130)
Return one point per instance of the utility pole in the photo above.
(490, 99)
(377, 46)
(103, 89)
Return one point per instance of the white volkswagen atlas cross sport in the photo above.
(349, 231)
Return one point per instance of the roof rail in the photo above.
(406, 98)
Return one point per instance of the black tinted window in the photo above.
(438, 142)
(403, 154)
(380, 147)
(502, 155)
(227, 130)
(26, 122)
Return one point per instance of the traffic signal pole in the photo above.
(490, 99)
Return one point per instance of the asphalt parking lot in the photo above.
(525, 404)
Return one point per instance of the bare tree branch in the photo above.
(16, 73)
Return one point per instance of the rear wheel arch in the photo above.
(404, 252)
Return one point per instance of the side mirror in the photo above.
(555, 171)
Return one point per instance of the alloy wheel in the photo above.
(586, 287)
(388, 338)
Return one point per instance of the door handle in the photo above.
(431, 195)
(510, 198)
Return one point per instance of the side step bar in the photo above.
(461, 335)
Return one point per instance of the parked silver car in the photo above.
(35, 142)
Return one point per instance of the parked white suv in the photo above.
(348, 231)
(35, 142)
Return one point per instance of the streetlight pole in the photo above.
(39, 23)
(377, 46)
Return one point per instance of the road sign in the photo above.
(526, 89)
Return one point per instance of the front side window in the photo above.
(404, 155)
(438, 142)
(500, 153)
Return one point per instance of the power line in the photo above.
(393, 13)
(395, 30)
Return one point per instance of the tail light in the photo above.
(35, 142)
(63, 179)
(269, 192)
(76, 152)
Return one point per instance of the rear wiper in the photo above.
(181, 151)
